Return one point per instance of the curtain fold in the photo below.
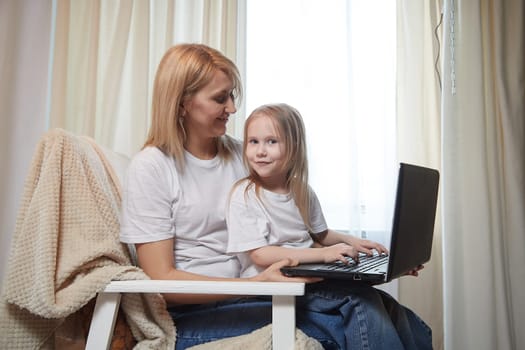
(25, 28)
(105, 59)
(419, 139)
(476, 136)
(483, 109)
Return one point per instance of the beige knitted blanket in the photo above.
(66, 248)
(260, 339)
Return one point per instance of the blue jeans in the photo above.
(348, 317)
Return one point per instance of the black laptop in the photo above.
(411, 237)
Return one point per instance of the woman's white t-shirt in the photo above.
(161, 203)
(271, 219)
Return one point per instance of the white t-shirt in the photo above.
(161, 203)
(273, 219)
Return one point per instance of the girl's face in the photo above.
(208, 110)
(265, 153)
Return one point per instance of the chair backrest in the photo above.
(119, 163)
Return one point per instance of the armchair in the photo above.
(283, 305)
(66, 251)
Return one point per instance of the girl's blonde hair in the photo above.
(182, 72)
(289, 124)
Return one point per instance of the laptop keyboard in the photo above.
(365, 263)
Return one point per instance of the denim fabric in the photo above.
(370, 318)
(197, 324)
(350, 317)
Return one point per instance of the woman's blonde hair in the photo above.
(182, 72)
(290, 127)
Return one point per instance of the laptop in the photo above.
(411, 236)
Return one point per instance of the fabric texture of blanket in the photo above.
(66, 248)
(260, 339)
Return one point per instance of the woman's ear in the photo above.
(185, 106)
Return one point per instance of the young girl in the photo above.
(273, 213)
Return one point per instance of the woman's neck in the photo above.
(202, 149)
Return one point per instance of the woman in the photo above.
(173, 210)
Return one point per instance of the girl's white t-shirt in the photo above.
(161, 203)
(272, 219)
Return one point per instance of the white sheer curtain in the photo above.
(483, 109)
(335, 62)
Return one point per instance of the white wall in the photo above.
(25, 27)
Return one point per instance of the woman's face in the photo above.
(208, 110)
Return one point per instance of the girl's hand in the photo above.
(339, 252)
(273, 274)
(331, 237)
(366, 246)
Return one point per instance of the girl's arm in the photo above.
(267, 255)
(156, 259)
(330, 237)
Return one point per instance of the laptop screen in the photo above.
(414, 218)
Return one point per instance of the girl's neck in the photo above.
(274, 186)
(202, 149)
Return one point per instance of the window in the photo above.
(335, 62)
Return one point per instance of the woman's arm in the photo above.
(156, 259)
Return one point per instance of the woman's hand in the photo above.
(273, 274)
